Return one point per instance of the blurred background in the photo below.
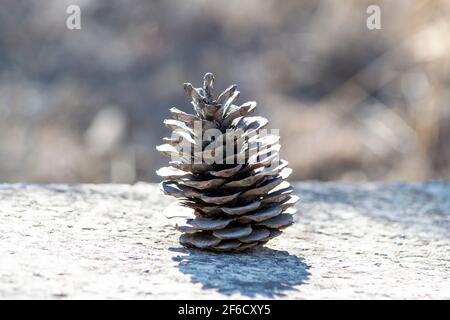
(352, 104)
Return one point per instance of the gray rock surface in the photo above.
(112, 241)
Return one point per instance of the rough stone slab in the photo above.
(112, 241)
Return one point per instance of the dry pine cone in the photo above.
(236, 200)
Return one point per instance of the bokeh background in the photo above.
(351, 103)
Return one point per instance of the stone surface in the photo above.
(112, 241)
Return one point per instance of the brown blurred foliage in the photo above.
(351, 103)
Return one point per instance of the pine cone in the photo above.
(237, 195)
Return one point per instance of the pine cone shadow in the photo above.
(264, 272)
